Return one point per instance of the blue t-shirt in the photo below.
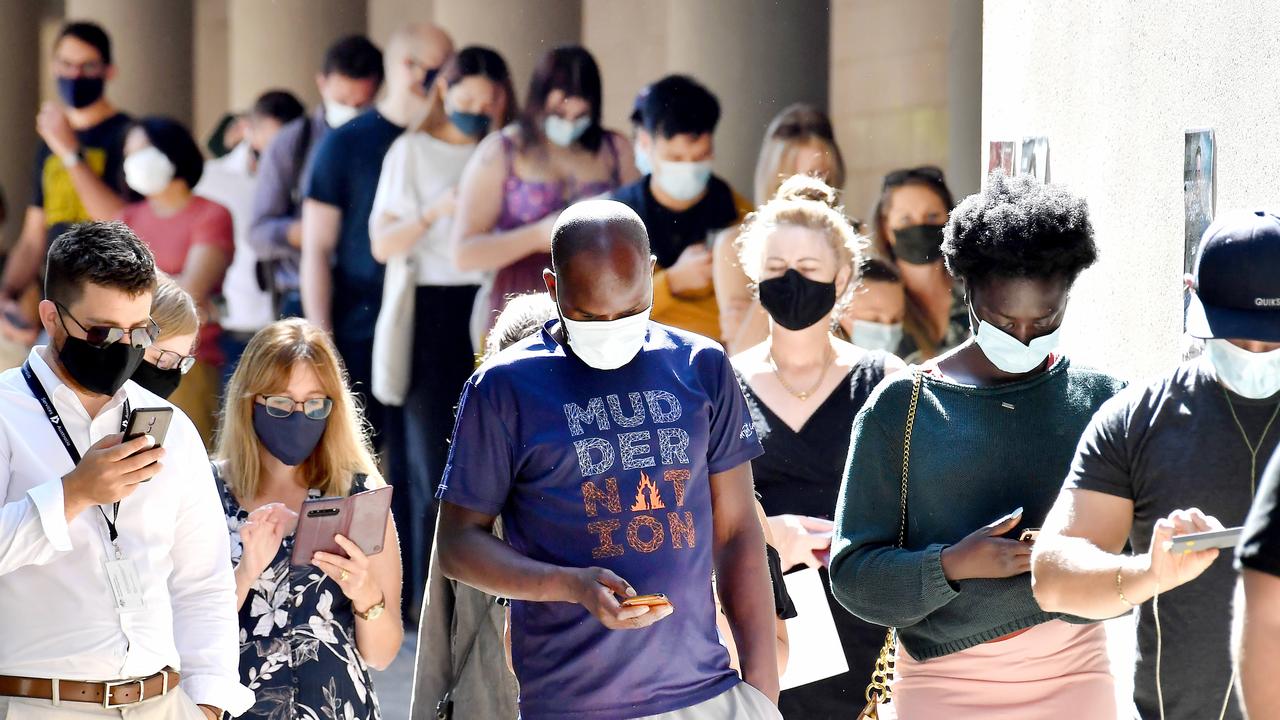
(344, 173)
(608, 469)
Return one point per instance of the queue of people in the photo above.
(682, 397)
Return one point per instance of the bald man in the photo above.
(617, 451)
(341, 283)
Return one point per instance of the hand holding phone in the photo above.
(654, 600)
(361, 517)
(1213, 539)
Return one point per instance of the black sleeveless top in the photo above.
(800, 474)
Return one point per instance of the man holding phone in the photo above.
(115, 576)
(1182, 455)
(617, 451)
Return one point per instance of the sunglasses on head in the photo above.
(928, 173)
(101, 336)
(282, 406)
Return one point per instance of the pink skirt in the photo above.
(1053, 670)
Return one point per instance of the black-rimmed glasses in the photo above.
(282, 406)
(169, 360)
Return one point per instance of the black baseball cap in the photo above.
(1237, 278)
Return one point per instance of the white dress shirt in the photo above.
(57, 612)
(229, 182)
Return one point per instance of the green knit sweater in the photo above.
(977, 453)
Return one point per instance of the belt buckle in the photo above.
(109, 686)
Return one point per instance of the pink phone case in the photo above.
(361, 517)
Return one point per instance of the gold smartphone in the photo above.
(655, 600)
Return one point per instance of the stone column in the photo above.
(281, 43)
(386, 16)
(629, 41)
(211, 51)
(520, 31)
(19, 100)
(757, 56)
(151, 44)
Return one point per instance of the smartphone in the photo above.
(1219, 539)
(149, 421)
(655, 600)
(1029, 535)
(361, 518)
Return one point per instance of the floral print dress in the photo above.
(297, 637)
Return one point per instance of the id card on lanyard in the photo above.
(122, 573)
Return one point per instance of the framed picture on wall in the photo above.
(1198, 190)
(1035, 158)
(1000, 157)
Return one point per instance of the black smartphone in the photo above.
(149, 421)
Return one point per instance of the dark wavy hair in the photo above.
(1019, 227)
(573, 71)
(174, 140)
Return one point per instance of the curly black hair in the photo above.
(1018, 227)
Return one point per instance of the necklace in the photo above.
(1253, 449)
(805, 394)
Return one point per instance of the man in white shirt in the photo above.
(116, 589)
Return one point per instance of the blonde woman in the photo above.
(803, 387)
(172, 355)
(290, 431)
(799, 141)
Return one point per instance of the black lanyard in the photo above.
(56, 421)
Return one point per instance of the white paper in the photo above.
(815, 650)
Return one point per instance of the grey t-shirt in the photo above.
(1170, 445)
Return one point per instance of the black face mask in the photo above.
(918, 244)
(160, 382)
(795, 302)
(81, 92)
(99, 370)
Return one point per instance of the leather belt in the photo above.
(113, 694)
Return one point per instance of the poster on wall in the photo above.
(1035, 158)
(1197, 190)
(1000, 157)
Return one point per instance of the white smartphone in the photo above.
(1219, 539)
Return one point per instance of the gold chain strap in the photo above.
(878, 691)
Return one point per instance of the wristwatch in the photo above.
(374, 612)
(72, 159)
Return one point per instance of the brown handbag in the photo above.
(878, 690)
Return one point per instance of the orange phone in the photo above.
(655, 600)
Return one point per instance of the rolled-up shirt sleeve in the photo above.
(33, 528)
(203, 590)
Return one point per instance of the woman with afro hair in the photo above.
(994, 433)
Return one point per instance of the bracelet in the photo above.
(1120, 588)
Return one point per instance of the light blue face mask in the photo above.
(1008, 353)
(565, 132)
(683, 181)
(1252, 375)
(876, 336)
(643, 164)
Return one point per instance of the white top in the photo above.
(229, 182)
(417, 170)
(57, 613)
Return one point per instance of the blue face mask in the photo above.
(290, 439)
(81, 92)
(643, 163)
(565, 132)
(471, 124)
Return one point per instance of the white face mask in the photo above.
(643, 163)
(1009, 354)
(336, 114)
(565, 132)
(148, 171)
(1248, 374)
(876, 336)
(608, 344)
(683, 180)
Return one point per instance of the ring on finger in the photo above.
(344, 575)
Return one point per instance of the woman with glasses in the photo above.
(291, 431)
(171, 355)
(908, 219)
(192, 237)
